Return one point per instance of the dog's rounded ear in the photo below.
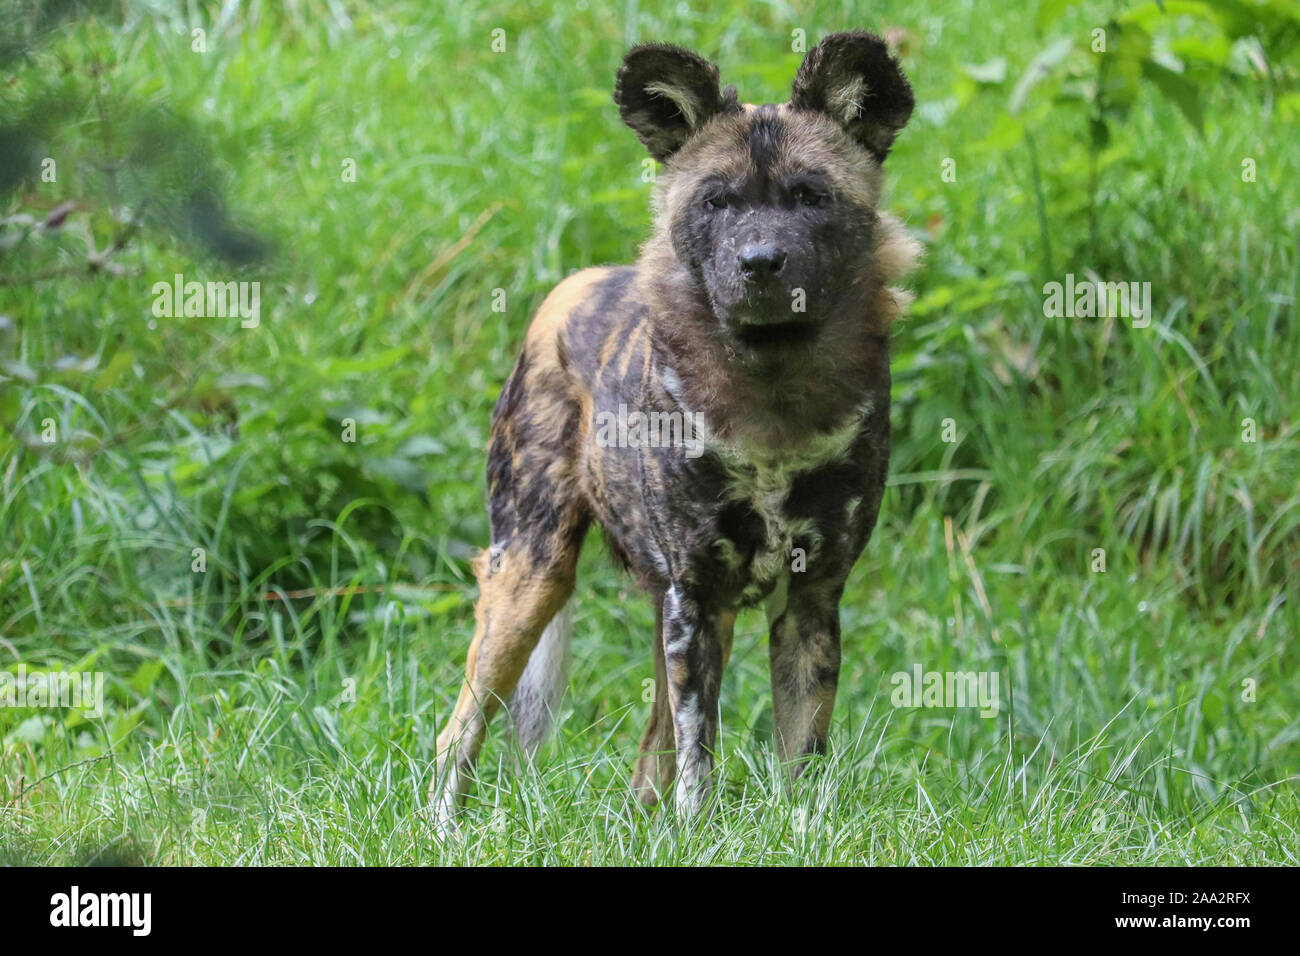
(852, 78)
(665, 94)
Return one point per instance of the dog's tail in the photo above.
(537, 696)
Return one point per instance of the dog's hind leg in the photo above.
(539, 521)
(518, 599)
(537, 695)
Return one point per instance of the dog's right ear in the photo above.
(665, 94)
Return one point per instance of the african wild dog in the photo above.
(760, 309)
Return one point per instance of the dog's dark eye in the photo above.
(718, 201)
(808, 196)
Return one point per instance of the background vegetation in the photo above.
(281, 705)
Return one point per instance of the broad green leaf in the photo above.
(1007, 131)
(991, 73)
(1038, 70)
(118, 364)
(145, 675)
(1148, 14)
(1049, 11)
(1179, 89)
(1215, 50)
(400, 471)
(418, 446)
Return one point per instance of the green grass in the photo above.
(281, 706)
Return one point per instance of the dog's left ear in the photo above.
(852, 78)
(666, 93)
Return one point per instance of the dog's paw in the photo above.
(693, 801)
(643, 785)
(444, 807)
(441, 812)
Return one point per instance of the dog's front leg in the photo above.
(693, 659)
(805, 660)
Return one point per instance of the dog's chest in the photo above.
(761, 538)
(764, 530)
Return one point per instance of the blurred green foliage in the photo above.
(223, 155)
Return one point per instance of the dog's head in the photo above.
(766, 215)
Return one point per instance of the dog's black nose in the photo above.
(758, 260)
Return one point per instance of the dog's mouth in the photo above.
(774, 335)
